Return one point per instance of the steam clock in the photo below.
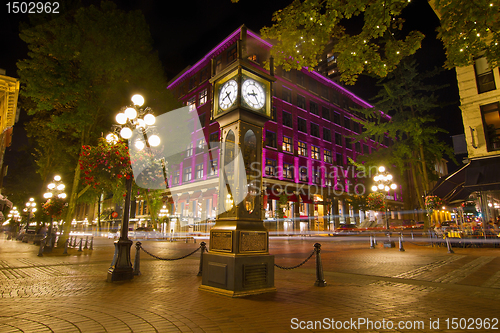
(239, 262)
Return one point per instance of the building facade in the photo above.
(307, 176)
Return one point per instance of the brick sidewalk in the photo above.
(57, 293)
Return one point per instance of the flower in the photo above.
(432, 202)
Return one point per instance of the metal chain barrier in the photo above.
(297, 266)
(139, 245)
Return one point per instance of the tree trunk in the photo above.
(71, 206)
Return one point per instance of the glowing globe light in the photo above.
(47, 195)
(60, 187)
(112, 138)
(139, 145)
(51, 186)
(121, 118)
(57, 178)
(154, 140)
(394, 186)
(389, 177)
(381, 186)
(149, 119)
(131, 113)
(62, 195)
(138, 100)
(387, 188)
(381, 169)
(376, 178)
(126, 133)
(374, 188)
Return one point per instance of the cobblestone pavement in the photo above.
(69, 293)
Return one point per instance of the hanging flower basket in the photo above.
(54, 207)
(432, 202)
(376, 201)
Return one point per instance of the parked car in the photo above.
(419, 225)
(347, 229)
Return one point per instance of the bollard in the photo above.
(80, 246)
(66, 243)
(86, 243)
(203, 249)
(137, 260)
(320, 279)
(401, 248)
(412, 235)
(92, 243)
(372, 243)
(42, 245)
(448, 245)
(70, 240)
(74, 242)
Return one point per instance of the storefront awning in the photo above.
(483, 174)
(209, 193)
(182, 198)
(306, 199)
(451, 189)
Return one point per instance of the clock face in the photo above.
(253, 94)
(228, 94)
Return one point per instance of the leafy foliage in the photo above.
(376, 201)
(303, 28)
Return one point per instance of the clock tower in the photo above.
(239, 262)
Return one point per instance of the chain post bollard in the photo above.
(203, 249)
(92, 243)
(80, 245)
(74, 241)
(372, 243)
(320, 279)
(430, 237)
(448, 245)
(412, 235)
(42, 245)
(86, 243)
(401, 248)
(137, 259)
(66, 243)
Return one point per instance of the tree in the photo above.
(302, 29)
(408, 99)
(83, 66)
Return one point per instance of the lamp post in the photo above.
(15, 217)
(383, 183)
(30, 208)
(133, 117)
(55, 190)
(163, 215)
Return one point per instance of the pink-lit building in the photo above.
(306, 172)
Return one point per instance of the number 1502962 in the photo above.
(33, 7)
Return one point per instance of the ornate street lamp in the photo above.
(132, 117)
(384, 183)
(30, 208)
(55, 190)
(15, 217)
(164, 215)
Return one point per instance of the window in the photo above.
(366, 150)
(338, 139)
(484, 76)
(315, 152)
(203, 96)
(347, 123)
(324, 91)
(192, 103)
(327, 135)
(491, 122)
(270, 167)
(313, 108)
(301, 102)
(189, 150)
(287, 95)
(327, 156)
(325, 113)
(302, 148)
(202, 118)
(287, 171)
(231, 54)
(335, 97)
(192, 82)
(175, 180)
(300, 78)
(287, 119)
(313, 85)
(204, 74)
(286, 74)
(270, 139)
(199, 171)
(357, 146)
(348, 143)
(316, 175)
(218, 64)
(303, 174)
(302, 125)
(340, 159)
(287, 144)
(187, 174)
(315, 130)
(200, 145)
(253, 57)
(336, 118)
(212, 170)
(213, 140)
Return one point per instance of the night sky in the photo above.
(184, 31)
